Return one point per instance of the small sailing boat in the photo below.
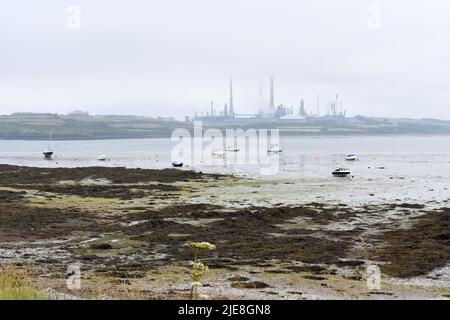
(48, 152)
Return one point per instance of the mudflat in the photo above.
(128, 229)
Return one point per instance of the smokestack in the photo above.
(272, 98)
(318, 104)
(231, 98)
(336, 104)
(260, 99)
(302, 108)
(212, 109)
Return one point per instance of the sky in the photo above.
(173, 57)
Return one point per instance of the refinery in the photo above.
(335, 113)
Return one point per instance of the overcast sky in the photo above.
(172, 57)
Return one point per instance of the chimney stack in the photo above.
(272, 96)
(231, 98)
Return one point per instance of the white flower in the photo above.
(196, 284)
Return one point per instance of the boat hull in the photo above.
(177, 165)
(341, 174)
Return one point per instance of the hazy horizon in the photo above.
(179, 118)
(173, 57)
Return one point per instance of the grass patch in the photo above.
(15, 285)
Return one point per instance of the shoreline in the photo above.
(330, 135)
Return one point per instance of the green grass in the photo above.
(15, 285)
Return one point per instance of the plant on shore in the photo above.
(15, 285)
(199, 269)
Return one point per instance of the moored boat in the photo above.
(341, 172)
(275, 149)
(48, 153)
(177, 164)
(102, 158)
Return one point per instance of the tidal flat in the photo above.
(127, 229)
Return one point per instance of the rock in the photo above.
(238, 279)
(250, 285)
(101, 246)
(314, 277)
(311, 268)
(295, 292)
(381, 293)
(52, 294)
(349, 263)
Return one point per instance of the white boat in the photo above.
(350, 157)
(231, 149)
(275, 149)
(102, 158)
(218, 154)
(341, 172)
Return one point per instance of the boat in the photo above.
(350, 157)
(177, 164)
(218, 154)
(102, 158)
(341, 172)
(48, 152)
(275, 149)
(231, 149)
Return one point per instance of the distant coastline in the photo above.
(36, 126)
(112, 137)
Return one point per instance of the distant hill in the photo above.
(82, 126)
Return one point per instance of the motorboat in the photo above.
(350, 157)
(102, 158)
(275, 149)
(177, 164)
(341, 172)
(231, 149)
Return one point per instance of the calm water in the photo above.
(390, 168)
(302, 156)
